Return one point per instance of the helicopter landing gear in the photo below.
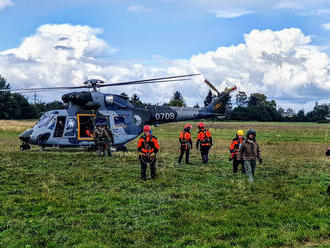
(121, 148)
(24, 147)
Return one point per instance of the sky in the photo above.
(279, 48)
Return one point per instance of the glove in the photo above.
(152, 155)
(230, 159)
(260, 161)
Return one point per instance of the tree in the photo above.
(256, 99)
(301, 115)
(196, 106)
(208, 98)
(3, 83)
(281, 111)
(177, 100)
(229, 109)
(4, 98)
(319, 112)
(241, 99)
(135, 101)
(124, 95)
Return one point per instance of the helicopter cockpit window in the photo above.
(72, 124)
(119, 121)
(51, 123)
(71, 127)
(44, 121)
(116, 103)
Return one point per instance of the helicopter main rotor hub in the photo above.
(93, 83)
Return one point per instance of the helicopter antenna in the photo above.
(35, 98)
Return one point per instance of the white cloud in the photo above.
(5, 3)
(232, 13)
(316, 12)
(281, 64)
(139, 9)
(289, 5)
(326, 26)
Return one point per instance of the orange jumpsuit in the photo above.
(148, 147)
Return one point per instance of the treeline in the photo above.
(16, 106)
(255, 107)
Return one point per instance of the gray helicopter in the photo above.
(72, 127)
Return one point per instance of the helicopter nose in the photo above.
(25, 136)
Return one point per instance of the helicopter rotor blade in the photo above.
(42, 89)
(152, 80)
(211, 86)
(144, 81)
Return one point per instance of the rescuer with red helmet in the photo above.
(185, 143)
(204, 139)
(148, 147)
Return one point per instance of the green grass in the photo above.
(75, 199)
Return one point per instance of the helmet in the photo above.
(146, 128)
(240, 133)
(201, 125)
(187, 126)
(251, 131)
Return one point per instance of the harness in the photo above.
(148, 147)
(237, 145)
(184, 141)
(205, 141)
(100, 137)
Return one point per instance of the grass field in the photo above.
(58, 198)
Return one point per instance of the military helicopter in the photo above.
(85, 109)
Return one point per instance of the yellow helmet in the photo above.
(240, 133)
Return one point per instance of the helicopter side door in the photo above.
(85, 126)
(59, 128)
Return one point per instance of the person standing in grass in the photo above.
(100, 137)
(233, 148)
(185, 143)
(204, 139)
(249, 152)
(148, 147)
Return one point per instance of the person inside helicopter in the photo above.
(86, 126)
(60, 124)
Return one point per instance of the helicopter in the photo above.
(85, 109)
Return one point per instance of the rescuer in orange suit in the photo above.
(235, 144)
(185, 143)
(204, 139)
(148, 147)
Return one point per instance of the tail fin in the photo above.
(219, 103)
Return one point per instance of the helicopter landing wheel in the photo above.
(24, 147)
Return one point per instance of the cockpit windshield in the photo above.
(43, 122)
(114, 102)
(46, 121)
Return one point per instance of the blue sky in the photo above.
(157, 34)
